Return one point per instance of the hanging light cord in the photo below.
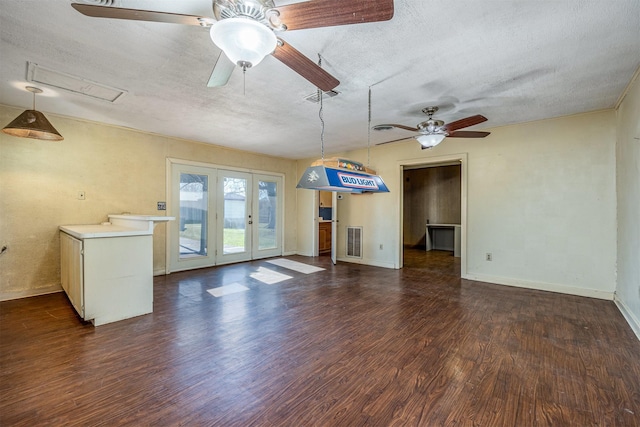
(320, 113)
(369, 132)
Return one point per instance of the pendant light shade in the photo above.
(245, 42)
(32, 124)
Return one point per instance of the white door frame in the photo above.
(432, 162)
(334, 228)
(258, 253)
(174, 261)
(246, 253)
(171, 162)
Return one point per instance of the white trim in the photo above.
(627, 89)
(628, 315)
(173, 160)
(7, 296)
(367, 261)
(445, 160)
(542, 286)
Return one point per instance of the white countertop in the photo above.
(119, 226)
(94, 231)
(443, 225)
(134, 217)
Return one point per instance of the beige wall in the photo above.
(628, 187)
(540, 198)
(120, 170)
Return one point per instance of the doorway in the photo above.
(433, 203)
(222, 216)
(324, 222)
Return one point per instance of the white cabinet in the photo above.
(71, 270)
(107, 269)
(108, 279)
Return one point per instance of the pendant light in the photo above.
(340, 175)
(32, 123)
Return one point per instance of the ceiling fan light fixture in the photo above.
(430, 140)
(245, 42)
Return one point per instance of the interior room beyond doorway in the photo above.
(432, 208)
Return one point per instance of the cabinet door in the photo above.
(322, 238)
(71, 271)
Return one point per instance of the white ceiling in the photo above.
(512, 61)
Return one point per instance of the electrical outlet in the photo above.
(81, 195)
(489, 257)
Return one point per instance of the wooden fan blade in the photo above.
(302, 65)
(221, 71)
(463, 123)
(395, 140)
(329, 13)
(468, 134)
(95, 11)
(384, 127)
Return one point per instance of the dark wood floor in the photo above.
(349, 346)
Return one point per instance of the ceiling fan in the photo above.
(245, 30)
(432, 131)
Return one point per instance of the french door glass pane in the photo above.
(234, 214)
(267, 214)
(194, 202)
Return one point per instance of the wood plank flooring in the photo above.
(349, 346)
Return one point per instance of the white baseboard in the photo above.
(371, 262)
(629, 316)
(302, 254)
(541, 286)
(6, 296)
(160, 272)
(289, 253)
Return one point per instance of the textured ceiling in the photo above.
(512, 61)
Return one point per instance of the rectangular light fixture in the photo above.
(344, 176)
(78, 85)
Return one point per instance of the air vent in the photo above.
(315, 98)
(99, 2)
(68, 82)
(354, 242)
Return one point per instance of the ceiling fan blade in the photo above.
(329, 13)
(302, 65)
(384, 127)
(95, 11)
(221, 71)
(468, 134)
(463, 123)
(395, 140)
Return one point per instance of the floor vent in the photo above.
(354, 242)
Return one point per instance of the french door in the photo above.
(192, 234)
(235, 219)
(223, 216)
